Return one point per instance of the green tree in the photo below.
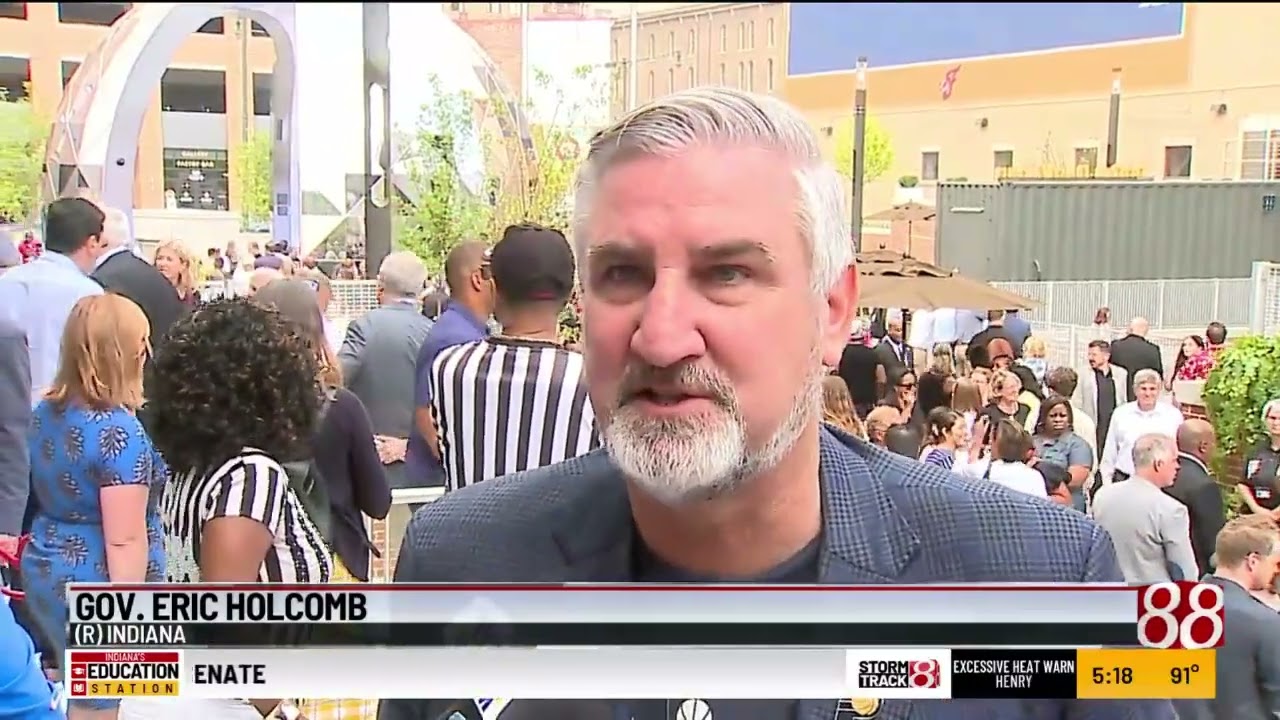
(253, 177)
(22, 143)
(539, 186)
(440, 212)
(878, 149)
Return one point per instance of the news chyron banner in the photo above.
(600, 642)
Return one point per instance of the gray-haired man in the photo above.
(1151, 531)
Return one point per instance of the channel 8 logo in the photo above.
(924, 673)
(1180, 615)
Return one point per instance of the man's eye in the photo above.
(620, 274)
(727, 274)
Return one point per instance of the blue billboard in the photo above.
(829, 37)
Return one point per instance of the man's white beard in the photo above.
(677, 461)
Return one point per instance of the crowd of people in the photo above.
(148, 434)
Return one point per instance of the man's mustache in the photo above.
(683, 379)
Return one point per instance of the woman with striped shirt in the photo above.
(234, 395)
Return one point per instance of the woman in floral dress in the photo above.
(96, 477)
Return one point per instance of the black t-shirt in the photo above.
(995, 414)
(1262, 475)
(801, 568)
(977, 351)
(1106, 402)
(858, 370)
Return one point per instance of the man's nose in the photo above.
(667, 333)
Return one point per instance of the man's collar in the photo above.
(476, 322)
(109, 254)
(1194, 459)
(865, 538)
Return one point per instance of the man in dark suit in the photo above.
(1195, 488)
(122, 272)
(1135, 352)
(1248, 685)
(705, 346)
(893, 350)
(15, 415)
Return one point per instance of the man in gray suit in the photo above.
(380, 350)
(1248, 551)
(1150, 529)
(15, 416)
(714, 292)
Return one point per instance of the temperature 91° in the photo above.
(1183, 675)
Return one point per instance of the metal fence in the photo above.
(1068, 345)
(1175, 304)
(1265, 301)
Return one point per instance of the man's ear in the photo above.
(841, 305)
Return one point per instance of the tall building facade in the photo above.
(741, 45)
(216, 92)
(984, 91)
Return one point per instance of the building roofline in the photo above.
(691, 10)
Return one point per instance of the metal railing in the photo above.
(1175, 304)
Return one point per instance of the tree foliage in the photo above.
(1245, 376)
(878, 150)
(252, 172)
(23, 135)
(521, 185)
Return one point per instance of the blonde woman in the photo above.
(94, 472)
(178, 267)
(1035, 355)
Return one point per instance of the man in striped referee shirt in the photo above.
(517, 400)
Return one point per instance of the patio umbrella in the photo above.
(889, 280)
(911, 212)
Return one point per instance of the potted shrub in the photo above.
(1245, 376)
(908, 191)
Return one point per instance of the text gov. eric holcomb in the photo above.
(212, 606)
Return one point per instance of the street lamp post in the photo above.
(859, 146)
(1113, 120)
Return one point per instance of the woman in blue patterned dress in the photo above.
(95, 474)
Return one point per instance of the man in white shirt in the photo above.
(1150, 529)
(1144, 416)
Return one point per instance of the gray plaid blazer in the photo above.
(888, 520)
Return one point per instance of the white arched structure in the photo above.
(93, 149)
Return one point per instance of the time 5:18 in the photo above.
(1113, 676)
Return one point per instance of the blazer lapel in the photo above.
(593, 527)
(866, 541)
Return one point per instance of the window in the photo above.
(751, 74)
(751, 35)
(671, 81)
(455, 7)
(671, 43)
(199, 91)
(1177, 161)
(91, 13)
(742, 36)
(257, 30)
(723, 78)
(742, 75)
(615, 49)
(693, 78)
(1260, 154)
(69, 68)
(693, 41)
(650, 83)
(653, 47)
(768, 29)
(1003, 162)
(262, 94)
(15, 77)
(17, 11)
(213, 27)
(495, 8)
(724, 38)
(1087, 161)
(769, 69)
(929, 165)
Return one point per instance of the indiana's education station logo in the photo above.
(122, 674)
